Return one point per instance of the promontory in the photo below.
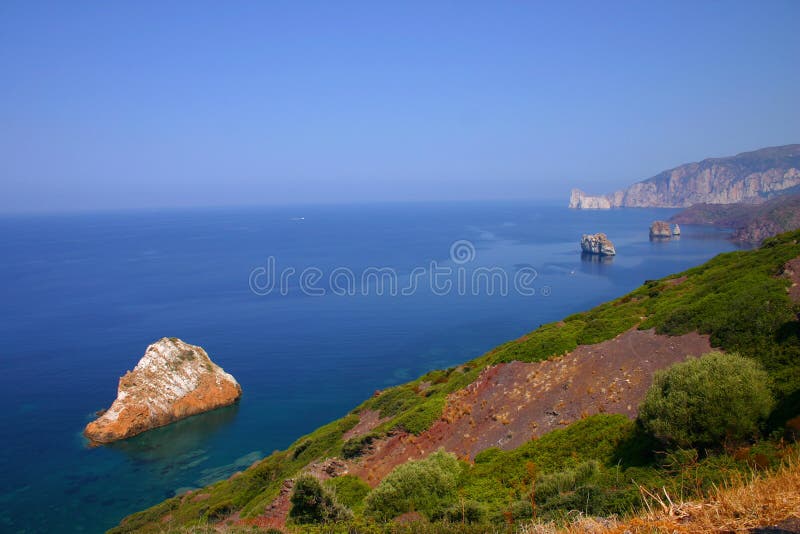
(173, 380)
(746, 177)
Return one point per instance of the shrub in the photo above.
(349, 490)
(311, 503)
(356, 446)
(301, 448)
(464, 511)
(702, 402)
(427, 486)
(219, 511)
(565, 481)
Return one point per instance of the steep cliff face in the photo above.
(173, 380)
(746, 177)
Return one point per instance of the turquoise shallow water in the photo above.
(83, 295)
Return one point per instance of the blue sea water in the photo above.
(84, 294)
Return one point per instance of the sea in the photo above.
(311, 308)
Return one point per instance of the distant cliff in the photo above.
(746, 177)
(752, 223)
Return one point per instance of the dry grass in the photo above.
(740, 505)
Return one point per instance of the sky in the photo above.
(119, 105)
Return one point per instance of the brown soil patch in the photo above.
(276, 514)
(511, 403)
(792, 271)
(368, 420)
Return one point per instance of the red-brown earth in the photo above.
(792, 271)
(511, 403)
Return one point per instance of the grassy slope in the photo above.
(737, 298)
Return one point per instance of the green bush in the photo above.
(356, 446)
(219, 511)
(427, 486)
(349, 490)
(464, 511)
(311, 503)
(705, 401)
(565, 481)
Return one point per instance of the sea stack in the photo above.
(676, 230)
(173, 380)
(597, 244)
(660, 229)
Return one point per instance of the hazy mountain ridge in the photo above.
(746, 177)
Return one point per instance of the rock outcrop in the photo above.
(660, 229)
(173, 380)
(597, 244)
(746, 177)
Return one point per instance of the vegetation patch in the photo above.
(425, 486)
(312, 503)
(356, 446)
(349, 490)
(707, 401)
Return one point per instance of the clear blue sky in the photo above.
(137, 104)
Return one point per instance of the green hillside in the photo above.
(595, 465)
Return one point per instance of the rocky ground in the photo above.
(513, 402)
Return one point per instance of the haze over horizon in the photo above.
(115, 106)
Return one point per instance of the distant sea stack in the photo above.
(660, 229)
(746, 177)
(173, 380)
(597, 244)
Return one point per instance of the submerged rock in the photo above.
(173, 380)
(597, 244)
(660, 229)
